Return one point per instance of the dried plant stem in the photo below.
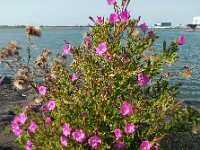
(9, 66)
(127, 3)
(160, 138)
(172, 107)
(2, 79)
(33, 86)
(29, 52)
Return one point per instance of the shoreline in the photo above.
(86, 26)
(47, 27)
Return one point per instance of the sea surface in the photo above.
(53, 39)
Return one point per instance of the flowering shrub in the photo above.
(114, 95)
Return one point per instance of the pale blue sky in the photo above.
(76, 12)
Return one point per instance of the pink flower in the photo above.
(22, 118)
(88, 39)
(102, 49)
(78, 135)
(74, 76)
(130, 128)
(16, 129)
(157, 146)
(111, 2)
(120, 145)
(126, 109)
(43, 108)
(99, 19)
(48, 120)
(144, 27)
(151, 33)
(16, 119)
(94, 141)
(110, 57)
(67, 48)
(145, 145)
(124, 57)
(33, 127)
(181, 40)
(118, 133)
(29, 145)
(42, 90)
(66, 129)
(114, 18)
(142, 79)
(51, 105)
(125, 15)
(64, 141)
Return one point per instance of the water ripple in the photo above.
(54, 40)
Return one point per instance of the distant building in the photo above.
(163, 24)
(195, 23)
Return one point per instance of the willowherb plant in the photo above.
(114, 95)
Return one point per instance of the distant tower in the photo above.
(196, 20)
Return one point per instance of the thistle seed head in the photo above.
(21, 80)
(10, 51)
(42, 58)
(38, 100)
(33, 31)
(187, 72)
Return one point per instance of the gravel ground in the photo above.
(10, 99)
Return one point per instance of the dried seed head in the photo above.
(54, 74)
(132, 31)
(55, 67)
(74, 63)
(38, 100)
(88, 37)
(123, 2)
(153, 57)
(33, 31)
(196, 129)
(135, 33)
(40, 61)
(187, 72)
(167, 75)
(43, 58)
(144, 54)
(21, 80)
(75, 52)
(13, 45)
(1, 55)
(85, 35)
(56, 64)
(46, 53)
(10, 51)
(22, 72)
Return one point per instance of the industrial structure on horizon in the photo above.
(195, 23)
(163, 25)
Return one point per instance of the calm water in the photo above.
(53, 39)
